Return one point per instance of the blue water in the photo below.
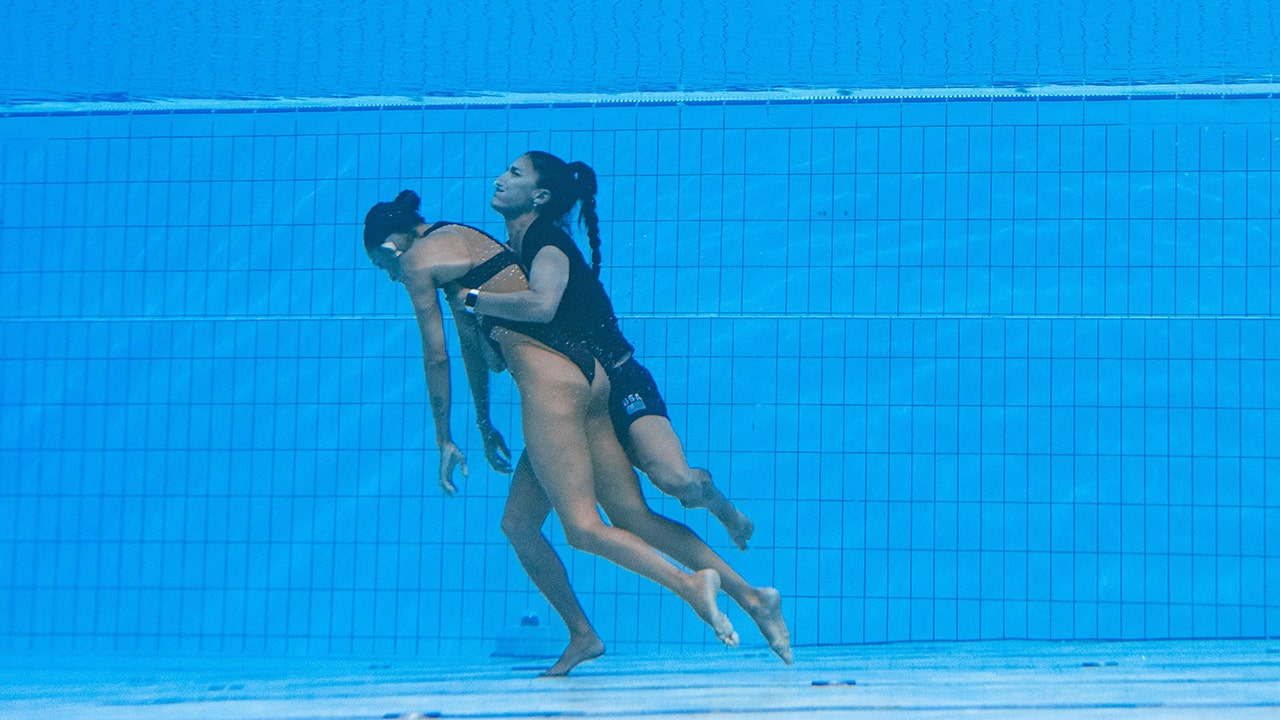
(979, 368)
(109, 50)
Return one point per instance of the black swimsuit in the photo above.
(584, 327)
(585, 312)
(553, 337)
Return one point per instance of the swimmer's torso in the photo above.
(460, 256)
(454, 255)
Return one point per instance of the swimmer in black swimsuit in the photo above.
(536, 192)
(570, 297)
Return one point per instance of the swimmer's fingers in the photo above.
(496, 452)
(450, 458)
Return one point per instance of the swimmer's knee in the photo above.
(587, 537)
(683, 486)
(510, 527)
(518, 526)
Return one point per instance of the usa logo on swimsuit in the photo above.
(633, 404)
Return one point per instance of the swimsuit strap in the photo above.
(481, 273)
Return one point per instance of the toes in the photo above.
(726, 634)
(742, 531)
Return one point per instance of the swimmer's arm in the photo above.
(472, 341)
(435, 363)
(548, 277)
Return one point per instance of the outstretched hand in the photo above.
(451, 457)
(495, 450)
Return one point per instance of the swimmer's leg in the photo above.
(621, 498)
(656, 451)
(526, 511)
(570, 438)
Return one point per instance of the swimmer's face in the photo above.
(516, 191)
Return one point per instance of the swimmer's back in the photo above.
(473, 258)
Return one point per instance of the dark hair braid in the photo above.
(569, 184)
(587, 187)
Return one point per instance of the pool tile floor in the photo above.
(1233, 680)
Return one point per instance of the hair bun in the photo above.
(398, 216)
(409, 200)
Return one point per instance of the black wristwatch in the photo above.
(469, 302)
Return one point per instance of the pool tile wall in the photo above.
(977, 369)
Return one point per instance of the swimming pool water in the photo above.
(118, 51)
(972, 308)
(978, 369)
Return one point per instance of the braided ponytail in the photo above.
(569, 183)
(587, 187)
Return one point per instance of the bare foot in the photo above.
(768, 617)
(705, 588)
(580, 650)
(738, 525)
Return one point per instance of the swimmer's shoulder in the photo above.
(438, 257)
(463, 232)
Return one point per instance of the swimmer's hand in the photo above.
(451, 457)
(495, 450)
